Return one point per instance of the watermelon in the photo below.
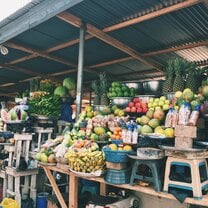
(69, 83)
(61, 91)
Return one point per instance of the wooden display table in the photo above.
(73, 188)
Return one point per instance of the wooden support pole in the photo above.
(73, 191)
(55, 187)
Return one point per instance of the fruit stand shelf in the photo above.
(73, 188)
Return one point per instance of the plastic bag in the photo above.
(9, 203)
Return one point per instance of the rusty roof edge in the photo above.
(37, 12)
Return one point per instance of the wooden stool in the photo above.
(20, 149)
(155, 167)
(41, 131)
(14, 185)
(3, 175)
(61, 125)
(197, 181)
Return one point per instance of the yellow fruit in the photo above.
(160, 131)
(169, 132)
(127, 148)
(121, 113)
(116, 112)
(120, 148)
(113, 146)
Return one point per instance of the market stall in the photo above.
(145, 129)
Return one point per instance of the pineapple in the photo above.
(168, 84)
(103, 89)
(192, 80)
(95, 87)
(179, 68)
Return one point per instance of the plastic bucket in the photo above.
(41, 201)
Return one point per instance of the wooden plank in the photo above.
(154, 14)
(176, 48)
(13, 172)
(71, 19)
(103, 189)
(36, 53)
(73, 191)
(146, 190)
(55, 187)
(186, 131)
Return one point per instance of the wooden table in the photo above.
(73, 188)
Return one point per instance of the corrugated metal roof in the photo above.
(180, 27)
(186, 25)
(197, 54)
(96, 51)
(43, 65)
(105, 13)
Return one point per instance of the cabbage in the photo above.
(69, 83)
(61, 91)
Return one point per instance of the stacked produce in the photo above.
(45, 104)
(159, 103)
(137, 106)
(84, 156)
(118, 89)
(100, 88)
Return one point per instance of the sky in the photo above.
(8, 7)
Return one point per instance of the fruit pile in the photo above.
(137, 106)
(117, 134)
(85, 157)
(46, 155)
(118, 89)
(159, 103)
(153, 122)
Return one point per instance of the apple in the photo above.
(138, 105)
(136, 100)
(139, 110)
(128, 109)
(131, 104)
(133, 109)
(145, 110)
(144, 105)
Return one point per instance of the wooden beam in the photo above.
(20, 69)
(133, 21)
(176, 48)
(107, 63)
(36, 53)
(67, 44)
(154, 14)
(71, 19)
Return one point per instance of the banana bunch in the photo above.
(85, 161)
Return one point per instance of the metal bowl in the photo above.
(138, 86)
(121, 102)
(153, 87)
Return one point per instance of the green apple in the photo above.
(167, 102)
(161, 103)
(166, 107)
(150, 105)
(157, 99)
(158, 108)
(151, 100)
(162, 98)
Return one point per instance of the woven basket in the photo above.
(116, 156)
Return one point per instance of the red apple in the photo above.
(136, 100)
(144, 105)
(145, 110)
(133, 109)
(131, 104)
(139, 110)
(138, 105)
(128, 109)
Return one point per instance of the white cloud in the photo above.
(8, 7)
